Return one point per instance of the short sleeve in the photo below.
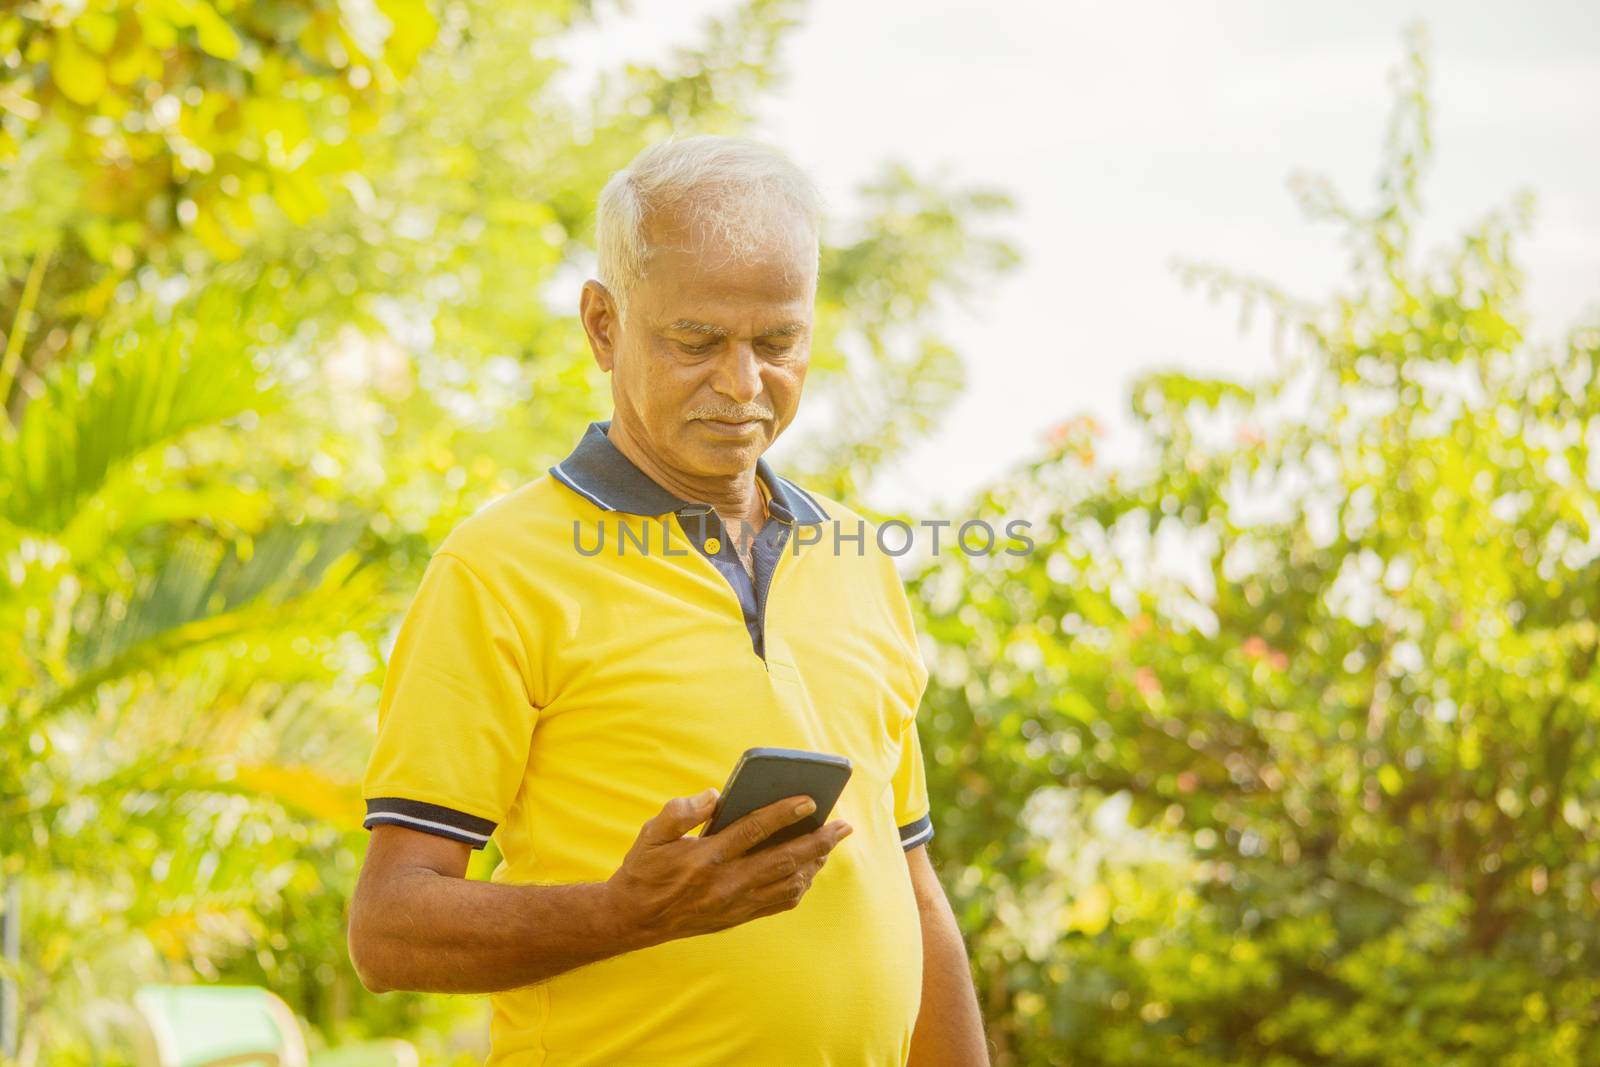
(454, 717)
(910, 784)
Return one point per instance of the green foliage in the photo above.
(287, 291)
(183, 112)
(1280, 749)
(875, 294)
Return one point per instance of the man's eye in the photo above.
(778, 350)
(697, 350)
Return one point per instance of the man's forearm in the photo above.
(949, 1030)
(429, 932)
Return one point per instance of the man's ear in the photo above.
(598, 313)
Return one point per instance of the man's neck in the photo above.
(736, 497)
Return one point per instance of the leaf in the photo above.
(414, 28)
(213, 33)
(77, 72)
(128, 64)
(203, 593)
(209, 228)
(1090, 913)
(144, 386)
(98, 31)
(299, 195)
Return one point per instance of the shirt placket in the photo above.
(706, 531)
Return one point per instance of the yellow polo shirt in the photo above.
(555, 696)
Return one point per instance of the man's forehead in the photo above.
(680, 243)
(703, 288)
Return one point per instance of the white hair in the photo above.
(738, 187)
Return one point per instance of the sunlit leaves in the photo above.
(1334, 643)
(166, 100)
(300, 317)
(142, 386)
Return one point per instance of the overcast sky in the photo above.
(1134, 134)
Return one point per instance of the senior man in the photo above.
(575, 702)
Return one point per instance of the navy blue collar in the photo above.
(598, 471)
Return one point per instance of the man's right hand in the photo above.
(671, 886)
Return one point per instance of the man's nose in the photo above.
(739, 374)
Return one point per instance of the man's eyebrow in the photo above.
(693, 326)
(784, 329)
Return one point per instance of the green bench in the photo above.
(239, 1026)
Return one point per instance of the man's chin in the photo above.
(717, 456)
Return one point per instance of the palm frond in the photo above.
(203, 592)
(133, 389)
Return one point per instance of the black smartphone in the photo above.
(765, 775)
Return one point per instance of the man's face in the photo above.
(707, 368)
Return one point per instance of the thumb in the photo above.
(679, 816)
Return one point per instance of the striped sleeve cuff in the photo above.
(915, 833)
(429, 818)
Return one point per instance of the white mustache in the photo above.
(731, 416)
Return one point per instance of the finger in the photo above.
(772, 909)
(750, 830)
(783, 893)
(782, 860)
(678, 817)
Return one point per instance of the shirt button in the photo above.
(713, 546)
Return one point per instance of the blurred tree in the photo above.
(235, 431)
(156, 133)
(1281, 747)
